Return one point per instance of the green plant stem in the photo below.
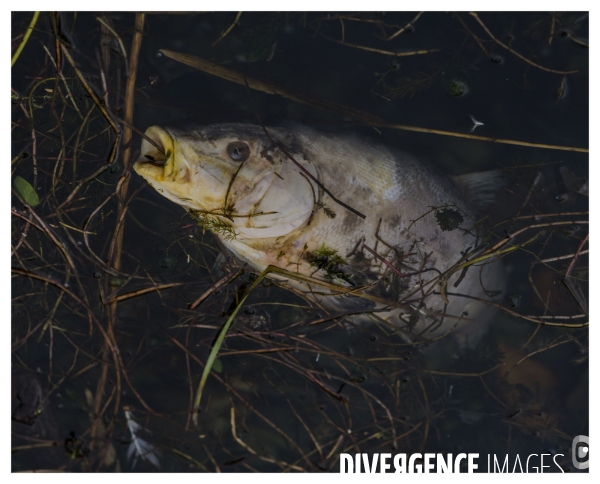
(219, 341)
(25, 39)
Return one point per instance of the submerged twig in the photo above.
(364, 117)
(265, 86)
(380, 51)
(285, 465)
(143, 135)
(220, 283)
(407, 26)
(522, 57)
(121, 46)
(477, 39)
(99, 104)
(229, 29)
(382, 259)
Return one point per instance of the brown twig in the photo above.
(477, 39)
(523, 58)
(518, 315)
(363, 117)
(285, 465)
(143, 135)
(119, 41)
(141, 292)
(93, 214)
(583, 242)
(237, 395)
(44, 228)
(99, 104)
(127, 133)
(220, 283)
(265, 86)
(407, 26)
(562, 257)
(229, 29)
(379, 51)
(506, 239)
(382, 259)
(97, 173)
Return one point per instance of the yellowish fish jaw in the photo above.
(177, 171)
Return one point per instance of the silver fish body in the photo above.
(269, 211)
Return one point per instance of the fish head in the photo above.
(232, 171)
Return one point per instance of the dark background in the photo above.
(328, 390)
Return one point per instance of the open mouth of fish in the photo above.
(157, 159)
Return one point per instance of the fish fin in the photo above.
(480, 187)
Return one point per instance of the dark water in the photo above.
(299, 394)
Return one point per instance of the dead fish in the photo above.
(239, 182)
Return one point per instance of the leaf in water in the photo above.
(24, 188)
(217, 366)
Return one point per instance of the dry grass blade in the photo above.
(143, 135)
(267, 87)
(47, 280)
(229, 29)
(44, 228)
(99, 104)
(407, 26)
(454, 134)
(112, 31)
(285, 465)
(364, 117)
(220, 283)
(382, 259)
(141, 292)
(380, 51)
(97, 173)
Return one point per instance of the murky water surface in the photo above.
(104, 377)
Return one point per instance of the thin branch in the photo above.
(362, 116)
(379, 51)
(229, 29)
(407, 26)
(473, 14)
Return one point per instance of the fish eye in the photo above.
(238, 151)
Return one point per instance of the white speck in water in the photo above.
(475, 123)
(318, 356)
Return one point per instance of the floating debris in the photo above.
(139, 448)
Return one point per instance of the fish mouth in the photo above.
(157, 157)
